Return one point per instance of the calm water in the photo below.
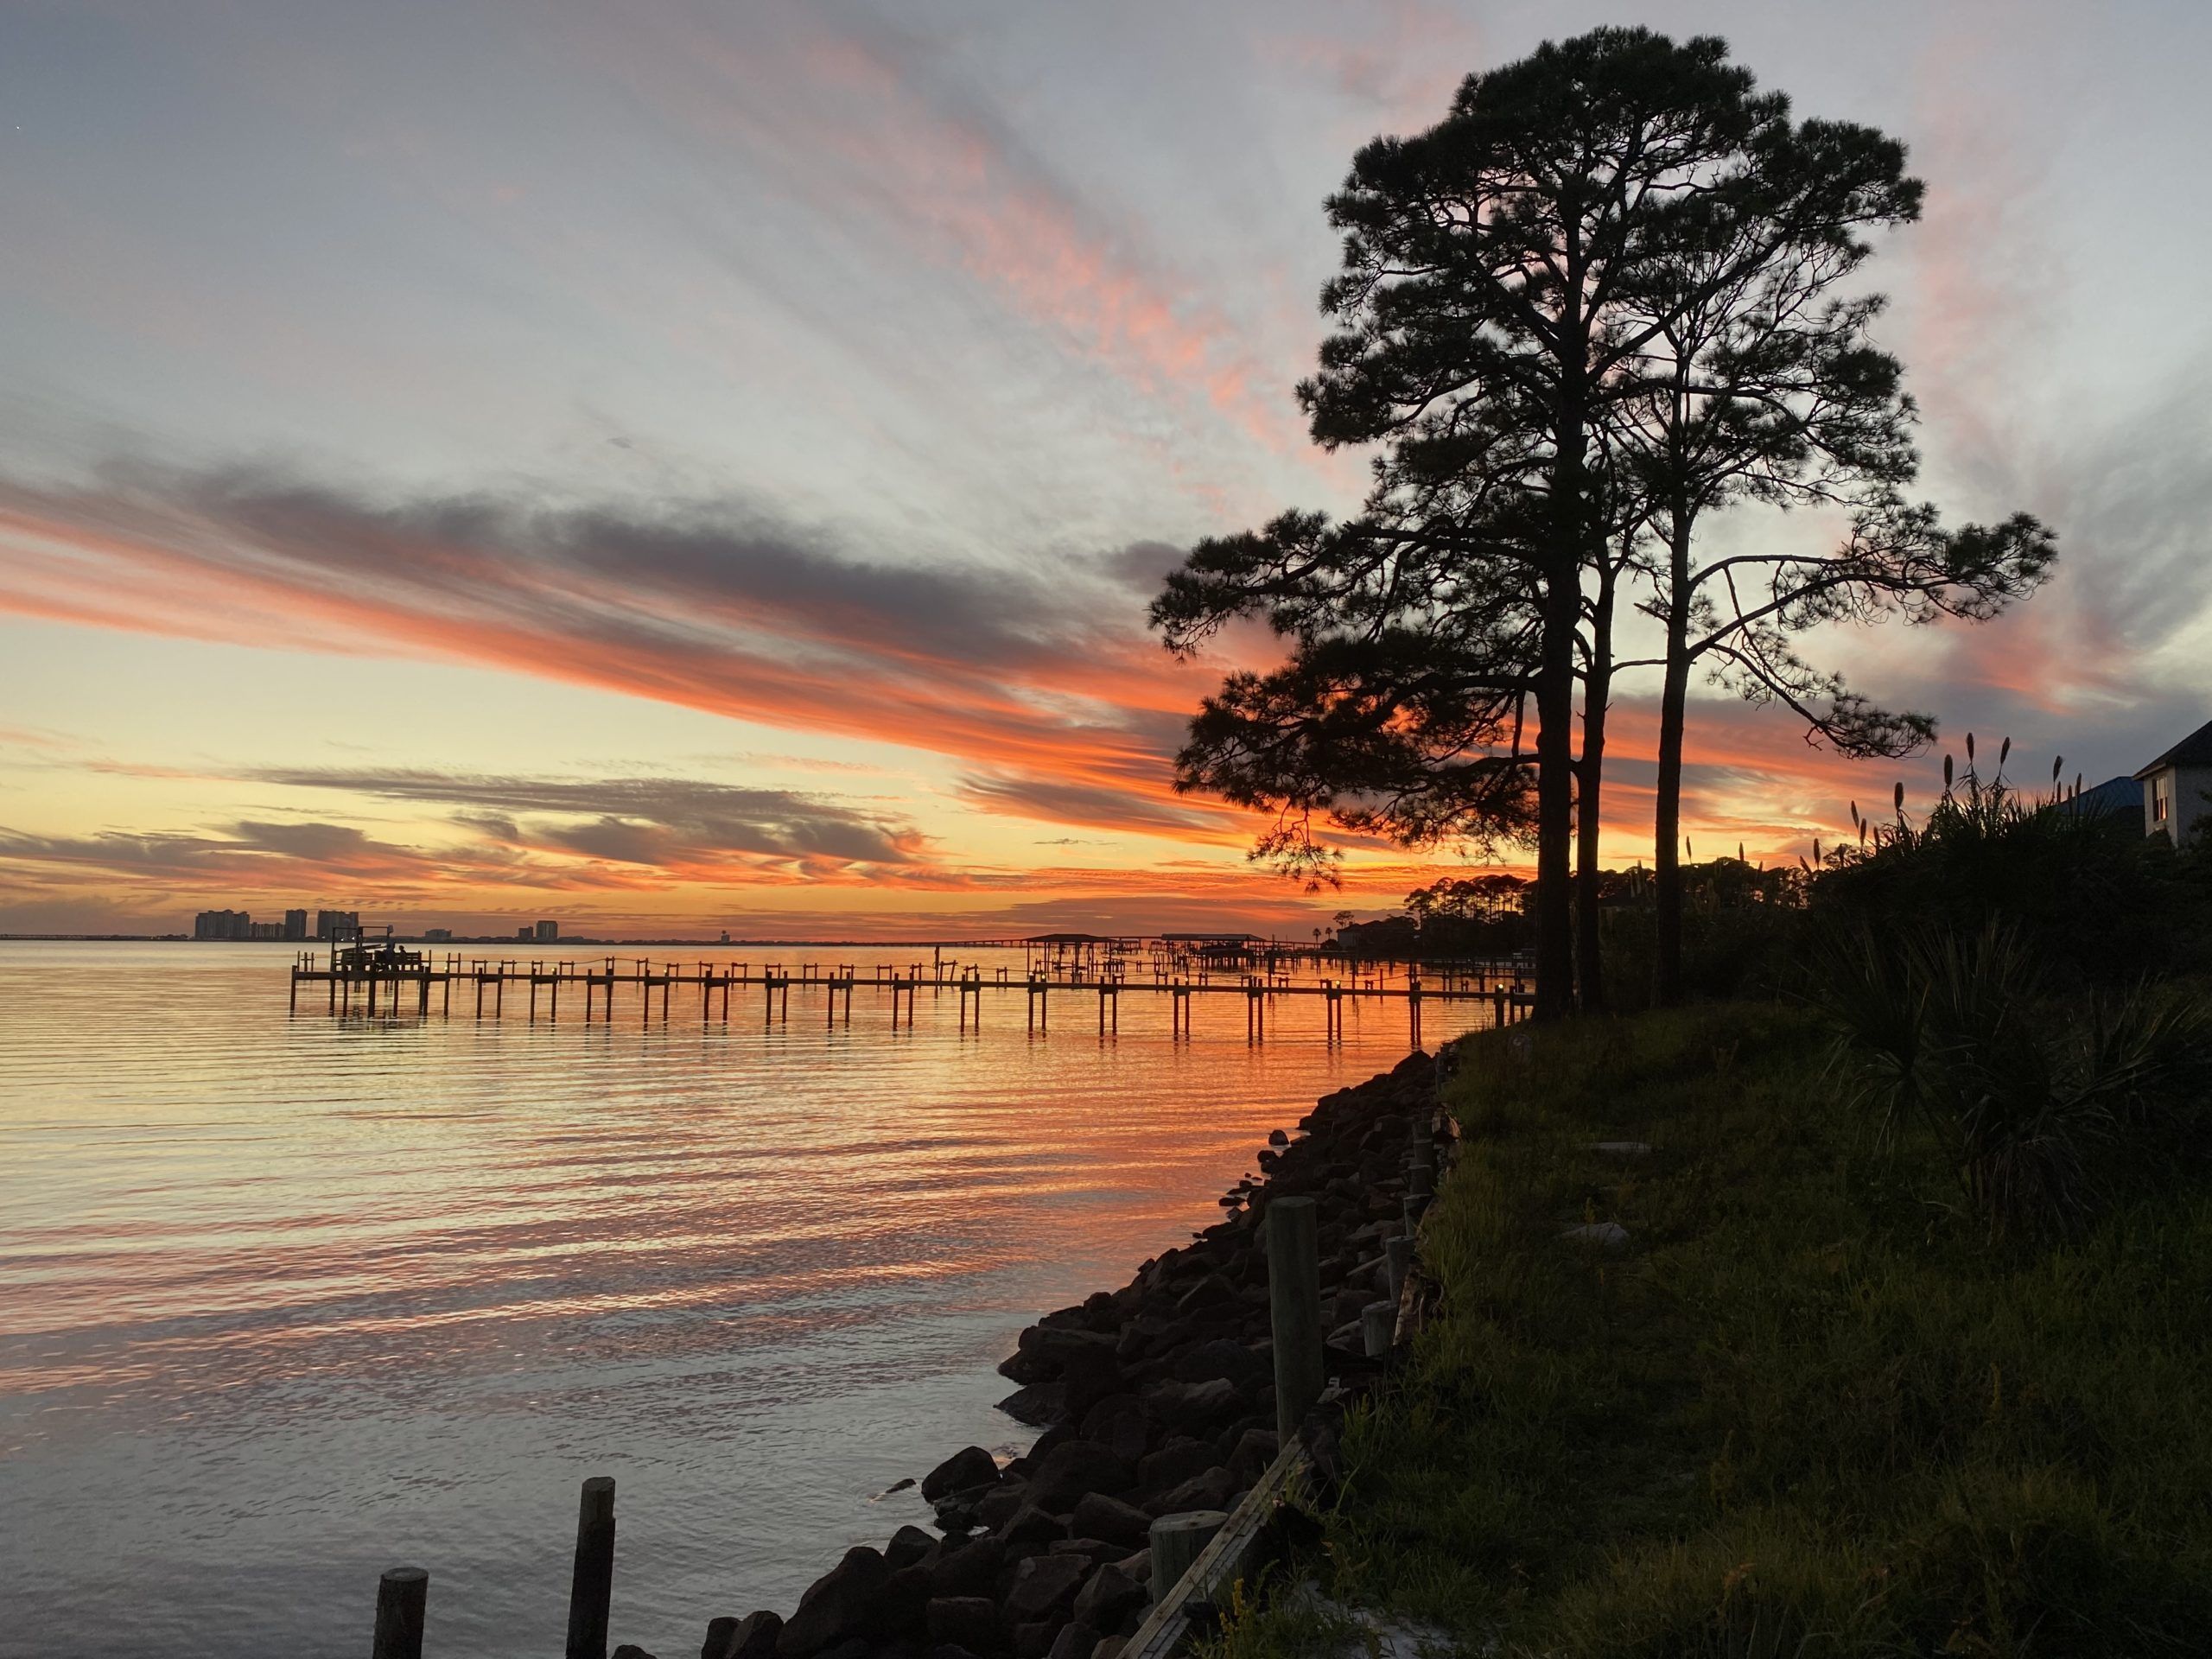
(285, 1300)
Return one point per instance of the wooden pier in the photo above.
(383, 978)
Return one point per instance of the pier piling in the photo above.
(591, 1593)
(1177, 1541)
(1294, 1304)
(1397, 1262)
(401, 1596)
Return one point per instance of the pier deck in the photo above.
(393, 982)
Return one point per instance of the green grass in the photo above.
(1809, 1409)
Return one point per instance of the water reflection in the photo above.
(290, 1299)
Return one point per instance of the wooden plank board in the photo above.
(1222, 1562)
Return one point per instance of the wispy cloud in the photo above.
(1041, 674)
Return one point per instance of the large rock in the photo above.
(1074, 1642)
(1118, 1423)
(1001, 1504)
(905, 1592)
(1038, 1404)
(1074, 1467)
(1108, 1599)
(1232, 1362)
(1210, 1491)
(907, 1546)
(1193, 1408)
(971, 1622)
(1209, 1291)
(839, 1606)
(970, 1570)
(968, 1467)
(1254, 1450)
(1033, 1525)
(1175, 1463)
(1044, 1587)
(1098, 1515)
(753, 1636)
(1047, 1352)
(631, 1650)
(1093, 1549)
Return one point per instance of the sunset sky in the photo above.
(684, 467)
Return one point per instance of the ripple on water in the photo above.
(289, 1300)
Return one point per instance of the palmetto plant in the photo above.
(2045, 1108)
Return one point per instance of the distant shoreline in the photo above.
(731, 944)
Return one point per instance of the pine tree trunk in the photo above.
(1588, 776)
(1562, 609)
(1666, 824)
(1555, 810)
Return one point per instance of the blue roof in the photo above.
(2112, 795)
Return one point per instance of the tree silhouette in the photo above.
(1501, 271)
(1590, 305)
(1771, 391)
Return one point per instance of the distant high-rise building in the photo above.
(264, 930)
(549, 933)
(437, 936)
(296, 924)
(337, 924)
(222, 925)
(523, 932)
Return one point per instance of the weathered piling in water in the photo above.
(591, 1592)
(402, 1595)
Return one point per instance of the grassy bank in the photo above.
(1809, 1407)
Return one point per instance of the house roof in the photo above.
(2114, 795)
(2195, 750)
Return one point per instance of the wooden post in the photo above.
(1416, 1205)
(401, 1594)
(1397, 1262)
(1177, 1541)
(1294, 1304)
(1379, 1322)
(591, 1592)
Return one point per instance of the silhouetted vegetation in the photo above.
(1806, 1407)
(1896, 1341)
(1595, 304)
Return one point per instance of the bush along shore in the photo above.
(1156, 1399)
(1733, 1357)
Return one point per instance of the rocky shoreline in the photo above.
(1155, 1399)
